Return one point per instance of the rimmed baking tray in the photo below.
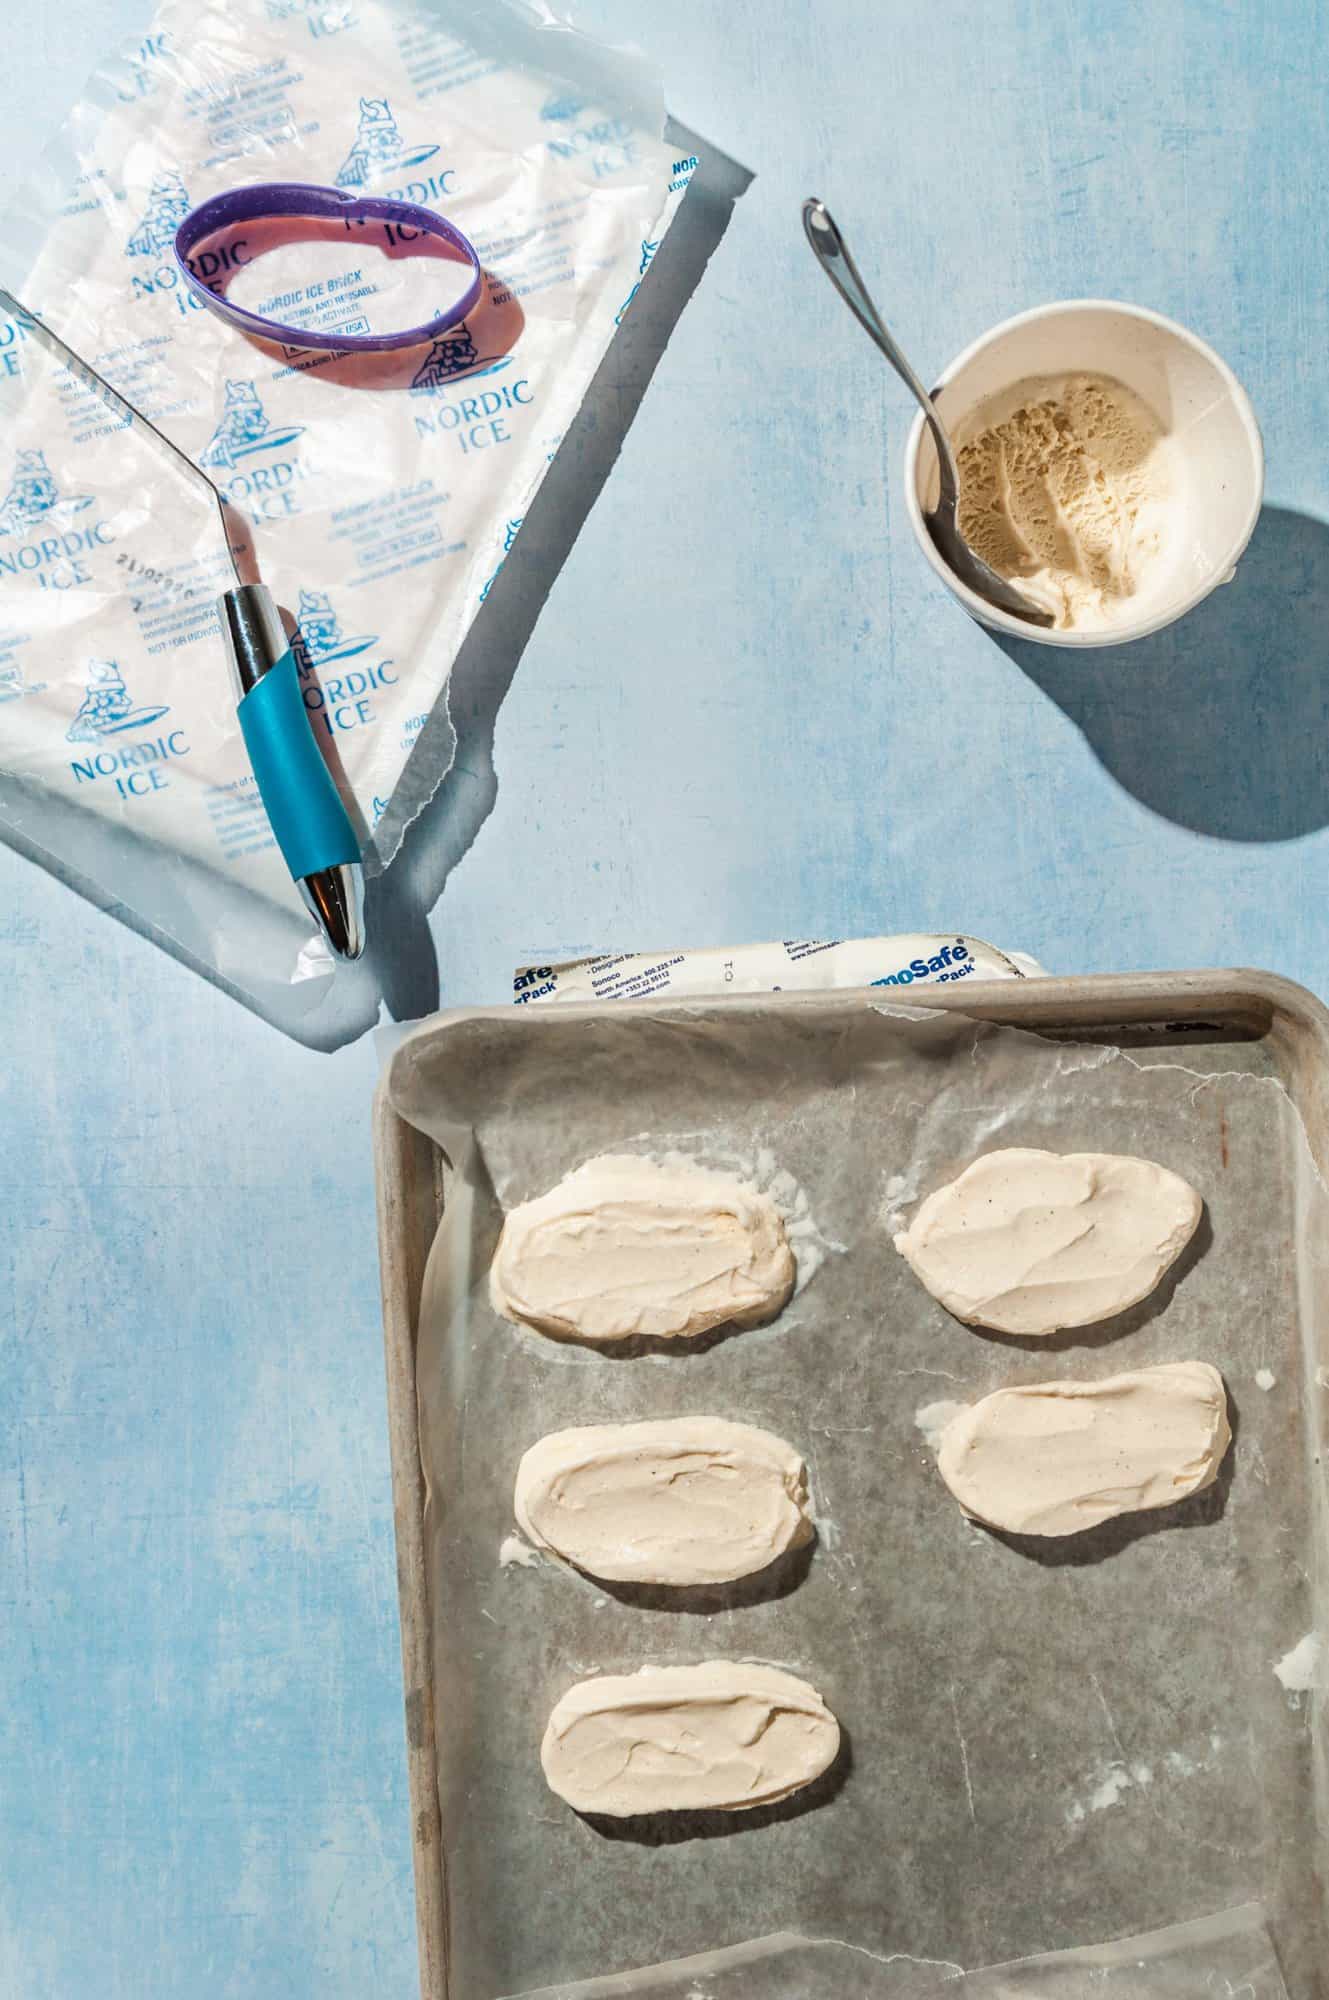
(1204, 1785)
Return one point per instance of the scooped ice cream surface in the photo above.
(1070, 487)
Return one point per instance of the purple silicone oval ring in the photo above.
(266, 200)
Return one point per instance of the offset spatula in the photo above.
(309, 822)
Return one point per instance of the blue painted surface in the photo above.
(745, 711)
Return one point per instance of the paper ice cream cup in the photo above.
(1215, 452)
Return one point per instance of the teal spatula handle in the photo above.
(309, 822)
(312, 826)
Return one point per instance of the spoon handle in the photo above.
(832, 253)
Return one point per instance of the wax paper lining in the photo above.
(1050, 1745)
(1228, 1953)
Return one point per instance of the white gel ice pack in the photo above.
(380, 510)
(797, 965)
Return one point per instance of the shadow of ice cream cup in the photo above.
(1110, 465)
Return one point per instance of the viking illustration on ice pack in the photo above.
(33, 495)
(168, 205)
(321, 633)
(245, 428)
(378, 147)
(107, 709)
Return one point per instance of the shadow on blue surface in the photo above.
(402, 950)
(1221, 722)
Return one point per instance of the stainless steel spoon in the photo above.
(832, 253)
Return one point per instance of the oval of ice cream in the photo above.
(626, 1246)
(720, 1737)
(682, 1500)
(1030, 1242)
(1057, 1457)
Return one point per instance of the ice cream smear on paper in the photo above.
(514, 1553)
(932, 1419)
(1071, 487)
(1299, 1668)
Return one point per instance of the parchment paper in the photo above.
(1228, 1954)
(1051, 1744)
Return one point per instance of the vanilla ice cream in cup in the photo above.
(1110, 466)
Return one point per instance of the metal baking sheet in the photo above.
(1049, 1747)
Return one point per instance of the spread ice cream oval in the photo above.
(682, 1500)
(1057, 1457)
(626, 1246)
(718, 1737)
(1029, 1242)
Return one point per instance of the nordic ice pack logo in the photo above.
(245, 429)
(34, 497)
(379, 147)
(320, 629)
(452, 354)
(108, 708)
(168, 205)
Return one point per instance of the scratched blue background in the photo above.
(745, 711)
